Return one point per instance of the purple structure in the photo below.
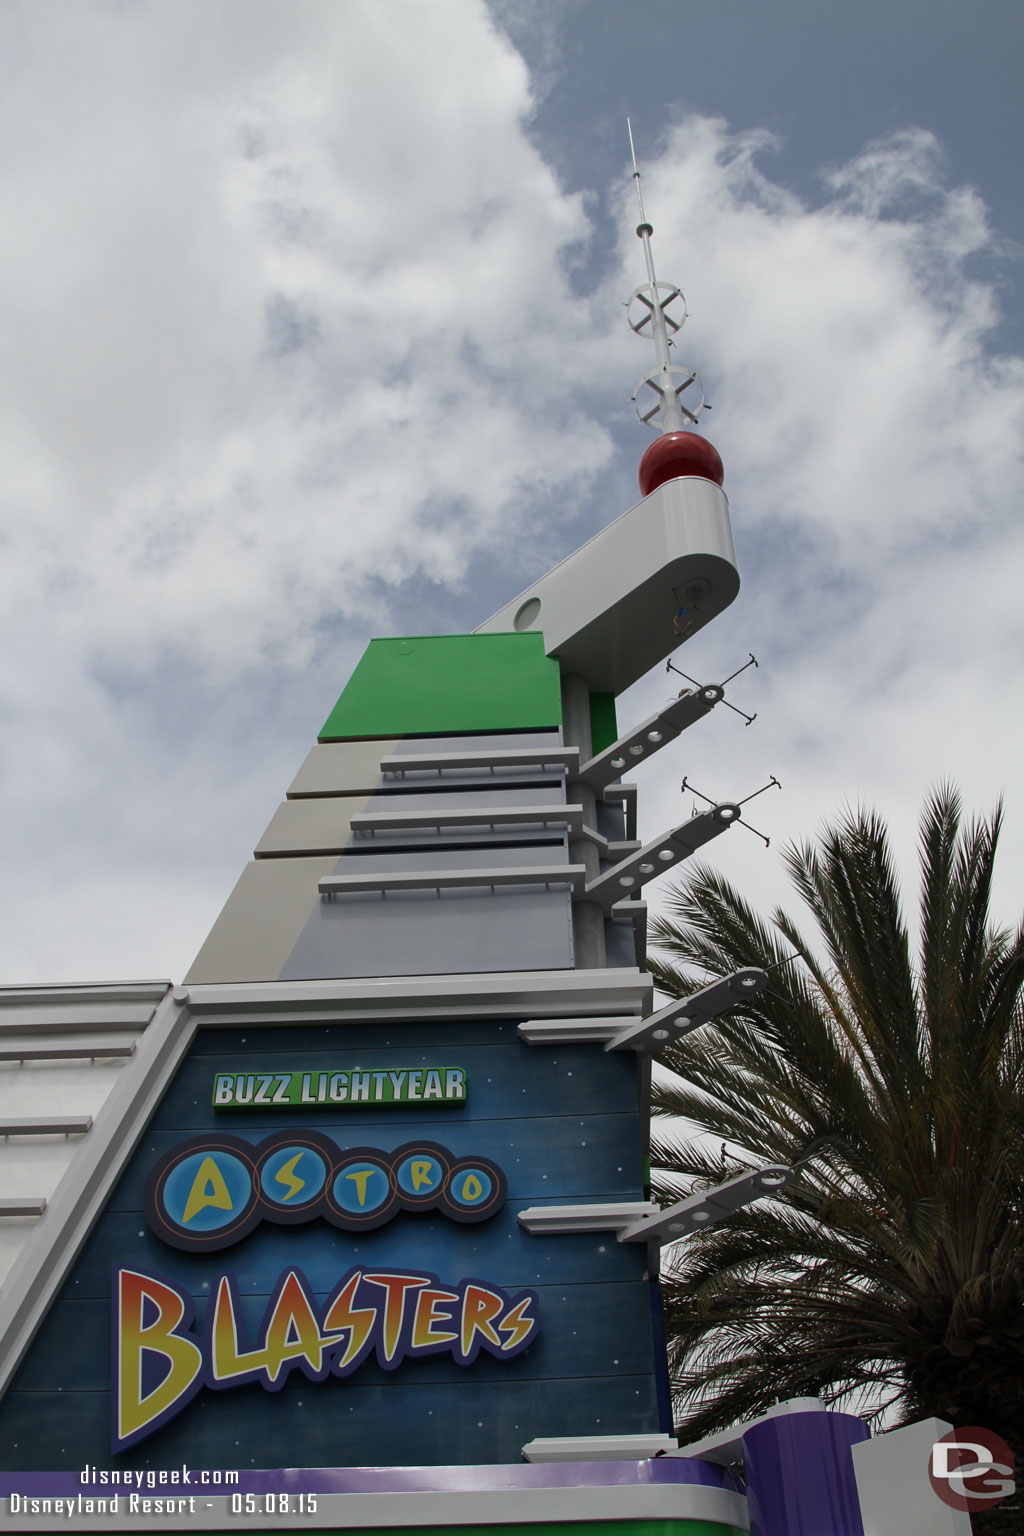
(799, 1474)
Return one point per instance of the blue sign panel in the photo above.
(293, 1291)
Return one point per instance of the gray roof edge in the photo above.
(43, 1263)
(85, 991)
(495, 994)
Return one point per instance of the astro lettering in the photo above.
(211, 1191)
(161, 1360)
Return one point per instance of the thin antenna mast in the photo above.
(651, 314)
(644, 230)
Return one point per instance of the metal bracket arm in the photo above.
(643, 1221)
(624, 879)
(688, 1013)
(708, 1207)
(649, 737)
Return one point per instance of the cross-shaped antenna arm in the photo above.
(751, 663)
(733, 807)
(670, 665)
(773, 783)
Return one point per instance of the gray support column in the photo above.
(587, 917)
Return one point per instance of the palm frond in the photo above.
(890, 1266)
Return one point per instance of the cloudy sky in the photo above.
(312, 331)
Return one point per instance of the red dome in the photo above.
(675, 454)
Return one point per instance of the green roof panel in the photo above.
(604, 731)
(448, 685)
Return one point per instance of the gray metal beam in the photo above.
(549, 759)
(570, 816)
(496, 994)
(45, 1125)
(624, 795)
(598, 1447)
(61, 993)
(572, 1031)
(587, 918)
(82, 1050)
(451, 879)
(608, 1216)
(74, 1018)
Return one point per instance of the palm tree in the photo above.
(890, 1274)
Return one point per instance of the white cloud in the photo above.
(286, 324)
(268, 306)
(872, 443)
(287, 331)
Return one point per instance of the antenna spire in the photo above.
(658, 310)
(643, 229)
